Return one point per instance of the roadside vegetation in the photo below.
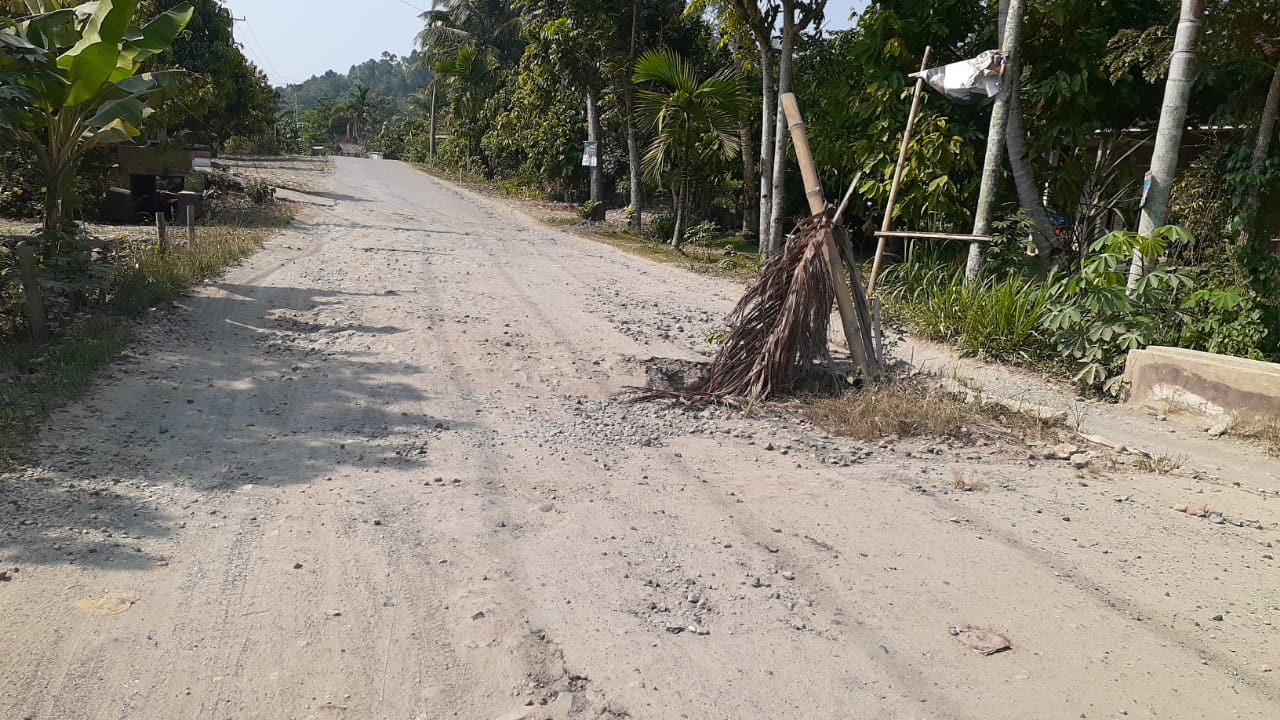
(907, 407)
(674, 95)
(76, 82)
(655, 125)
(99, 323)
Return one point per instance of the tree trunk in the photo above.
(777, 231)
(633, 170)
(768, 108)
(633, 140)
(1258, 162)
(750, 209)
(996, 139)
(1173, 117)
(431, 143)
(681, 199)
(1030, 195)
(594, 133)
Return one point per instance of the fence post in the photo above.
(31, 289)
(191, 226)
(162, 228)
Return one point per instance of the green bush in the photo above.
(1096, 321)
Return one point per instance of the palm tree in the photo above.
(468, 77)
(694, 123)
(360, 107)
(453, 24)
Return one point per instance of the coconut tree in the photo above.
(694, 123)
(450, 25)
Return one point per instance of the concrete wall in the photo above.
(1214, 384)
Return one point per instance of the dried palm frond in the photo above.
(778, 329)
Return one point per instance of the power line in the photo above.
(265, 57)
(415, 7)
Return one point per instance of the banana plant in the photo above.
(69, 82)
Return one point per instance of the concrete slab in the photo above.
(1212, 384)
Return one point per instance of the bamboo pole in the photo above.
(897, 173)
(191, 226)
(856, 333)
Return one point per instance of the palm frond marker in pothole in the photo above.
(781, 325)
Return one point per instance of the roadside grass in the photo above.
(1263, 429)
(35, 381)
(914, 407)
(729, 256)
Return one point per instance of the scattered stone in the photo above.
(1180, 508)
(1200, 510)
(5, 576)
(788, 575)
(1065, 451)
(563, 703)
(1217, 618)
(1216, 519)
(297, 566)
(377, 522)
(478, 616)
(546, 507)
(699, 630)
(1081, 461)
(675, 629)
(1220, 428)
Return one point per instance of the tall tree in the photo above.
(694, 122)
(797, 17)
(1173, 116)
(996, 139)
(494, 25)
(221, 93)
(469, 78)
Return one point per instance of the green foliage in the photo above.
(1095, 322)
(76, 85)
(1000, 318)
(392, 76)
(220, 93)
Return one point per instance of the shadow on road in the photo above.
(235, 391)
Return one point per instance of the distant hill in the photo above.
(391, 76)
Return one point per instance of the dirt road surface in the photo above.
(378, 472)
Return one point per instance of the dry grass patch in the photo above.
(1263, 429)
(914, 407)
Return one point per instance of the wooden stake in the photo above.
(848, 196)
(855, 330)
(191, 226)
(162, 228)
(897, 173)
(31, 289)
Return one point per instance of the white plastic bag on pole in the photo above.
(968, 81)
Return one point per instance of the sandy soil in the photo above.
(379, 472)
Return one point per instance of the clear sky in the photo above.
(291, 40)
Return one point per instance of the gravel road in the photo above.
(379, 472)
